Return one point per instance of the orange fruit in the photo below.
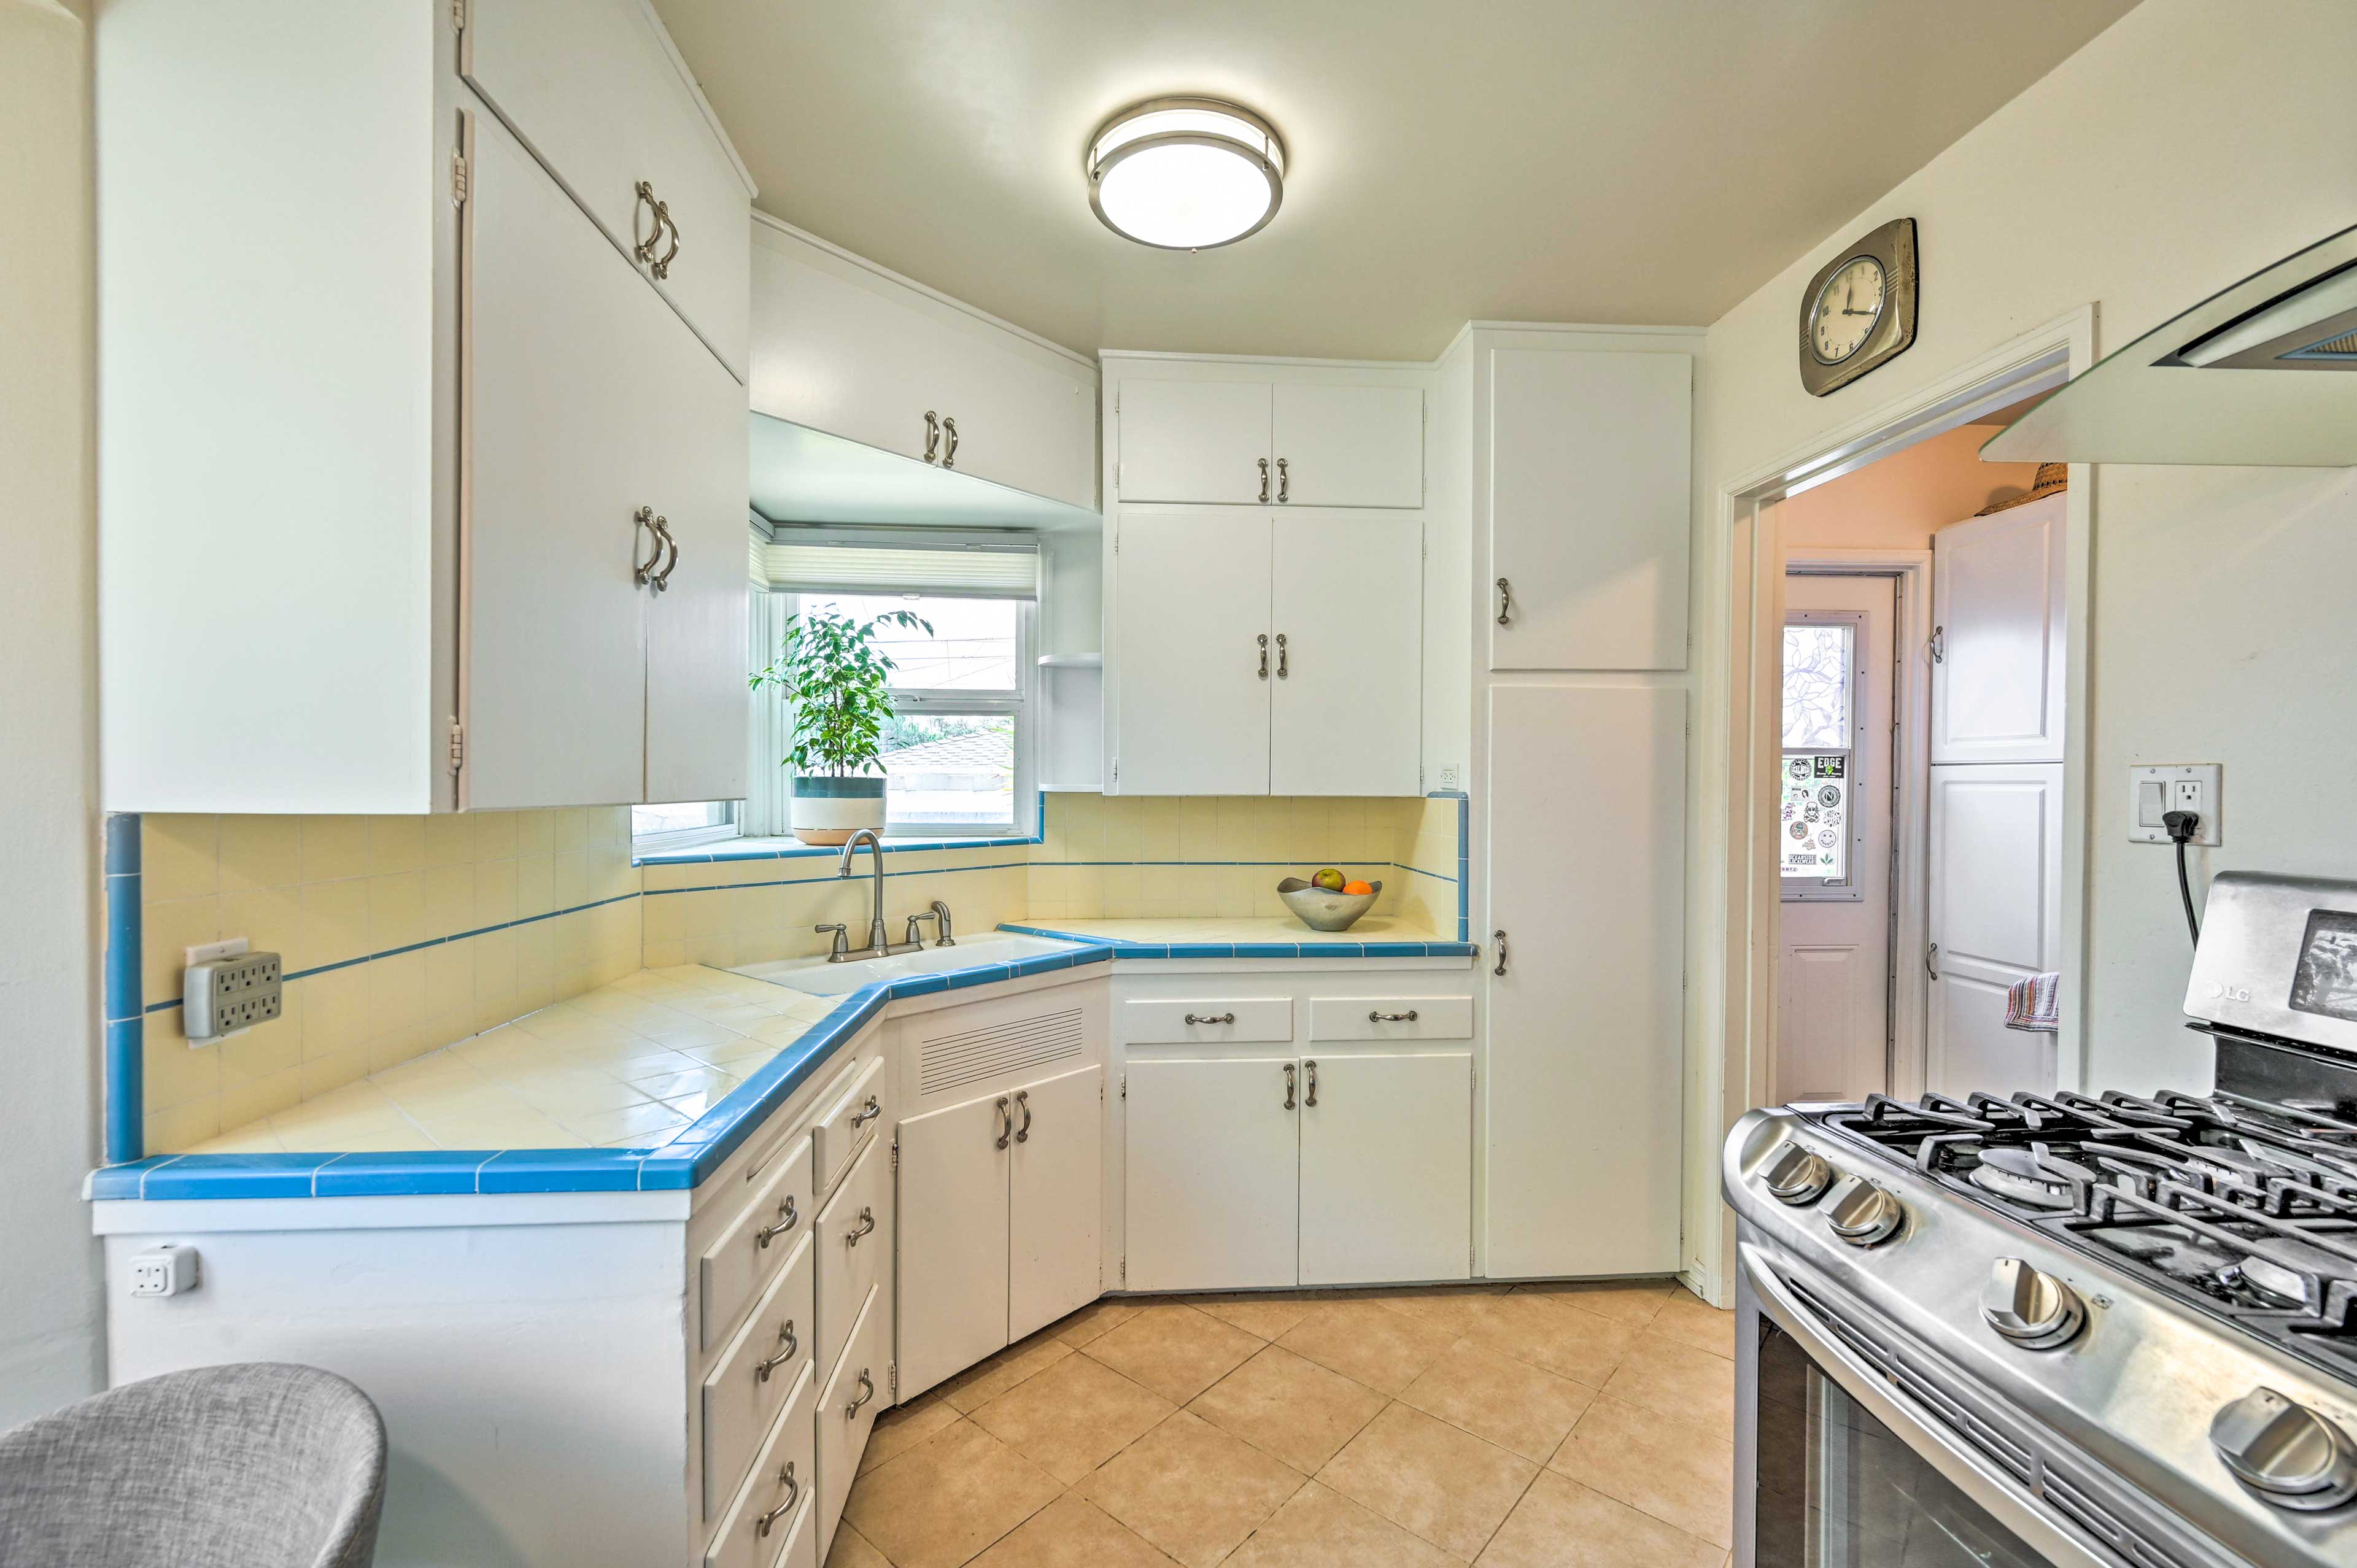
(1360, 888)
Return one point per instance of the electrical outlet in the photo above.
(2156, 789)
(164, 1270)
(222, 996)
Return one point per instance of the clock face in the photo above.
(1846, 310)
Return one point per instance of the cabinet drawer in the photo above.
(854, 1243)
(1380, 1017)
(1258, 1019)
(847, 1410)
(785, 1478)
(758, 1242)
(745, 1391)
(846, 1126)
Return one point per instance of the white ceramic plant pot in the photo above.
(827, 811)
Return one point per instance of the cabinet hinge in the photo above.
(892, 1373)
(896, 1153)
(1125, 1086)
(457, 178)
(1124, 1271)
(1116, 769)
(457, 745)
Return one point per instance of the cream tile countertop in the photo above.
(628, 1064)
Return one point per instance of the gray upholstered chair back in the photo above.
(254, 1466)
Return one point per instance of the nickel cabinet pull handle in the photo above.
(1288, 1086)
(866, 1224)
(949, 450)
(643, 246)
(1501, 939)
(1283, 483)
(865, 1114)
(932, 436)
(787, 1221)
(662, 578)
(769, 1521)
(1505, 603)
(1284, 658)
(644, 518)
(788, 1348)
(1312, 1097)
(1263, 656)
(866, 1393)
(1932, 961)
(1211, 1017)
(1939, 645)
(660, 265)
(1263, 482)
(1023, 1133)
(1006, 1123)
(1406, 1018)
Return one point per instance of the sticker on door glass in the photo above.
(1816, 795)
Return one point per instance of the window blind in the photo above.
(996, 570)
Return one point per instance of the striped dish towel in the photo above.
(2033, 1005)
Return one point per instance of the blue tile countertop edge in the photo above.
(688, 1158)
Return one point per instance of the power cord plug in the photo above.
(2182, 826)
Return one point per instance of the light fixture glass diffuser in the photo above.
(1185, 173)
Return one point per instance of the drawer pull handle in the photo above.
(1312, 1098)
(867, 1114)
(788, 1348)
(866, 1226)
(769, 1521)
(866, 1393)
(787, 1217)
(1406, 1018)
(1006, 1123)
(1288, 1086)
(1023, 1098)
(1211, 1017)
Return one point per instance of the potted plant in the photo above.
(836, 678)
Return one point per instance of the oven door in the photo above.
(1836, 1468)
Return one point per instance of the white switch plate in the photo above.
(2193, 787)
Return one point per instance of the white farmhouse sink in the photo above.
(820, 978)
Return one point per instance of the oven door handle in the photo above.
(1978, 1477)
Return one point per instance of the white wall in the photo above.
(49, 1304)
(1900, 502)
(2189, 145)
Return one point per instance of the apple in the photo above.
(1330, 879)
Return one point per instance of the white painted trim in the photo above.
(899, 280)
(702, 105)
(1593, 329)
(1162, 356)
(399, 1211)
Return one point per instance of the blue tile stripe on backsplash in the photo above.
(125, 1033)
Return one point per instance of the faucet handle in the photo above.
(942, 919)
(910, 934)
(842, 942)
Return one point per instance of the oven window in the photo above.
(1839, 1489)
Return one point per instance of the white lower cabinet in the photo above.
(1212, 1170)
(855, 1248)
(775, 1504)
(1386, 1168)
(854, 1396)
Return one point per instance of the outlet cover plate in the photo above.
(2157, 788)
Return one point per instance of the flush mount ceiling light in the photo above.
(1185, 173)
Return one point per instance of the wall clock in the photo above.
(1859, 310)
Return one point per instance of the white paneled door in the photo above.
(1347, 605)
(1213, 1174)
(1055, 1200)
(1349, 446)
(1194, 441)
(1386, 1168)
(1586, 856)
(954, 1239)
(1995, 918)
(1996, 601)
(1590, 462)
(1193, 659)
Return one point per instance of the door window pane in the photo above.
(1817, 670)
(1815, 819)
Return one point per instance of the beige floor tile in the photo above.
(1561, 1524)
(1192, 1489)
(947, 1498)
(1518, 1407)
(1072, 1417)
(852, 1549)
(1072, 1532)
(1427, 1476)
(1690, 1320)
(1174, 1350)
(1284, 1404)
(1097, 1318)
(1452, 1308)
(1266, 1314)
(1556, 1338)
(1633, 1302)
(1367, 1343)
(1321, 1527)
(1676, 1380)
(986, 1381)
(1680, 1472)
(903, 1427)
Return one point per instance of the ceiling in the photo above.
(1554, 160)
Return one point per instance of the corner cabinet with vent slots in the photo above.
(423, 475)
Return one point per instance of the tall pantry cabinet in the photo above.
(423, 427)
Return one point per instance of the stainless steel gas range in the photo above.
(2115, 1332)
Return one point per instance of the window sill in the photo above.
(794, 849)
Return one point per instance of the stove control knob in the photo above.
(1862, 1214)
(1796, 1177)
(2287, 1453)
(2035, 1310)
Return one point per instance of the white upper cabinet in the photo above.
(1997, 667)
(1270, 443)
(593, 88)
(1590, 475)
(1346, 602)
(1190, 653)
(843, 346)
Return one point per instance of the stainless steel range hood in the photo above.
(2210, 386)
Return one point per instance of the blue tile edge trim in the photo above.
(1122, 948)
(124, 1053)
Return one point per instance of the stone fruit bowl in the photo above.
(1321, 910)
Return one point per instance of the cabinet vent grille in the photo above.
(950, 1061)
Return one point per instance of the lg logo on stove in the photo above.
(2230, 992)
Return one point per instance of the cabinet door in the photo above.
(553, 640)
(1350, 445)
(1346, 707)
(954, 1239)
(698, 713)
(1025, 418)
(1589, 471)
(1586, 1026)
(1191, 683)
(1056, 1200)
(1194, 441)
(1997, 596)
(1386, 1168)
(1213, 1175)
(1997, 917)
(590, 87)
(848, 1405)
